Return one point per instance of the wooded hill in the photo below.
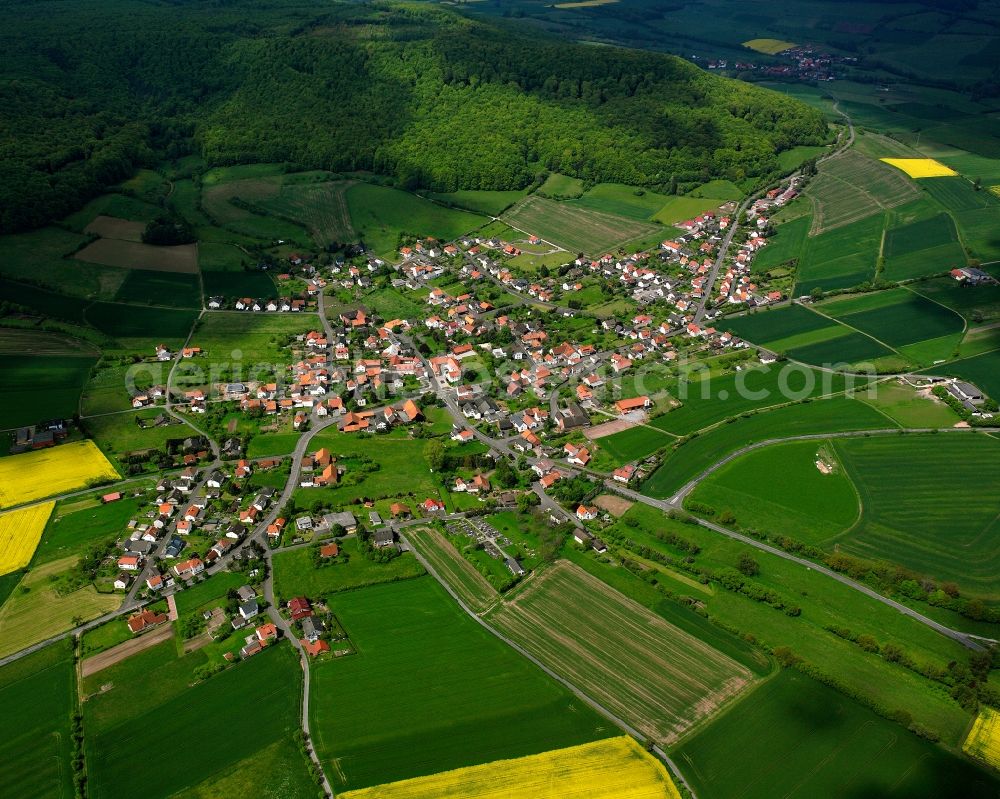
(90, 90)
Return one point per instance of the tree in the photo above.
(434, 453)
(748, 565)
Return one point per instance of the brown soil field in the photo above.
(136, 255)
(607, 429)
(116, 654)
(615, 505)
(651, 674)
(111, 227)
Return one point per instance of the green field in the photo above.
(175, 289)
(678, 209)
(627, 201)
(260, 698)
(319, 207)
(491, 203)
(295, 575)
(574, 227)
(921, 248)
(140, 322)
(982, 370)
(39, 387)
(430, 690)
(258, 339)
(820, 416)
(37, 693)
(451, 566)
(119, 433)
(49, 303)
(840, 258)
(79, 522)
(978, 304)
(784, 246)
(902, 403)
(380, 214)
(828, 745)
(561, 186)
(780, 489)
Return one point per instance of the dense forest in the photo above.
(91, 90)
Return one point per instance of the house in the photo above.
(587, 512)
(300, 608)
(274, 529)
(383, 537)
(122, 581)
(311, 629)
(112, 497)
(189, 568)
(251, 649)
(146, 619)
(634, 404)
(267, 632)
(344, 519)
(314, 648)
(548, 480)
(131, 562)
(571, 417)
(399, 510)
(624, 474)
(578, 456)
(249, 609)
(330, 550)
(432, 505)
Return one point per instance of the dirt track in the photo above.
(607, 429)
(116, 654)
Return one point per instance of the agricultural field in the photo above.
(42, 473)
(47, 303)
(627, 201)
(319, 207)
(42, 386)
(260, 697)
(561, 186)
(40, 611)
(608, 769)
(38, 697)
(655, 676)
(906, 516)
(784, 246)
(829, 745)
(769, 46)
(79, 522)
(457, 692)
(982, 370)
(452, 567)
(490, 203)
(174, 289)
(852, 186)
(136, 255)
(20, 532)
(119, 434)
(137, 326)
(842, 257)
(113, 227)
(259, 340)
(690, 459)
(575, 228)
(909, 407)
(677, 209)
(921, 167)
(780, 489)
(295, 574)
(924, 247)
(983, 742)
(380, 214)
(977, 304)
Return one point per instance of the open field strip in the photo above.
(921, 167)
(615, 768)
(136, 255)
(44, 473)
(474, 589)
(655, 676)
(769, 46)
(983, 742)
(20, 532)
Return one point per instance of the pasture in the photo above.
(295, 574)
(457, 692)
(380, 214)
(608, 769)
(42, 473)
(910, 408)
(780, 489)
(43, 386)
(655, 676)
(852, 186)
(247, 340)
(81, 521)
(260, 697)
(490, 203)
(20, 532)
(28, 617)
(561, 186)
(37, 694)
(627, 201)
(120, 433)
(691, 458)
(112, 227)
(678, 209)
(136, 255)
(452, 567)
(575, 228)
(907, 518)
(829, 745)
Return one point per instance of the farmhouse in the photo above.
(625, 406)
(140, 622)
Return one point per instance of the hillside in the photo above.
(424, 94)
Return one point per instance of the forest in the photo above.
(417, 92)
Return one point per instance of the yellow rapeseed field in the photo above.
(45, 472)
(615, 768)
(983, 742)
(20, 531)
(769, 46)
(921, 167)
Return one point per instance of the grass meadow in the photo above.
(429, 690)
(452, 567)
(575, 228)
(829, 745)
(37, 693)
(38, 387)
